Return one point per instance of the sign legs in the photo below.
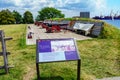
(78, 69)
(38, 72)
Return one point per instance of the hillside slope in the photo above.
(100, 57)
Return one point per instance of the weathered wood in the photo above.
(1, 67)
(8, 38)
(4, 51)
(7, 53)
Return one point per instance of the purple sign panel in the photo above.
(49, 50)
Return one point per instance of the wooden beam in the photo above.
(1, 67)
(8, 38)
(7, 53)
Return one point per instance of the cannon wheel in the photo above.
(54, 30)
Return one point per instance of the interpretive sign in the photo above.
(54, 50)
(49, 50)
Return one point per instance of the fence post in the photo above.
(4, 52)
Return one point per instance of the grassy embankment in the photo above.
(100, 57)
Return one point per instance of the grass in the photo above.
(100, 58)
(110, 32)
(20, 58)
(74, 19)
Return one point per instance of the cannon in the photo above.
(53, 28)
(30, 35)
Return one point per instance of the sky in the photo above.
(68, 7)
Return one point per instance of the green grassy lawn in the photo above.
(100, 58)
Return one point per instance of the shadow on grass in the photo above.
(2, 73)
(50, 78)
(118, 61)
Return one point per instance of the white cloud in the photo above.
(96, 7)
(59, 3)
(70, 13)
(72, 1)
(68, 7)
(99, 6)
(16, 2)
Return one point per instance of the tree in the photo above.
(6, 17)
(49, 12)
(17, 16)
(28, 17)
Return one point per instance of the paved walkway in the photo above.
(111, 78)
(40, 33)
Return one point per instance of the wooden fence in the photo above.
(4, 52)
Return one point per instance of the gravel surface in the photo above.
(40, 33)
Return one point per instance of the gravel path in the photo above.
(40, 33)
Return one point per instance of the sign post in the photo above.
(57, 50)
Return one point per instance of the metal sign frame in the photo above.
(37, 58)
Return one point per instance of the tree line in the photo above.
(14, 17)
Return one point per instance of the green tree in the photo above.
(6, 17)
(18, 17)
(49, 12)
(28, 17)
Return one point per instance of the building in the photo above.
(85, 14)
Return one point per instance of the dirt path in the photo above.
(30, 74)
(111, 78)
(41, 34)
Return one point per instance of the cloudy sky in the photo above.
(68, 7)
